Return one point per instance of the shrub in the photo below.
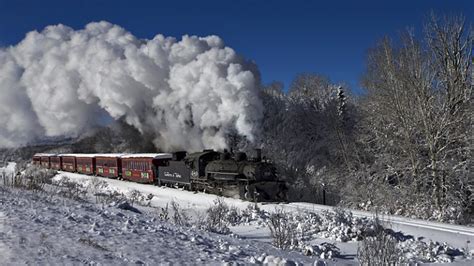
(378, 249)
(217, 217)
(283, 230)
(97, 187)
(31, 178)
(70, 189)
(180, 217)
(135, 196)
(342, 216)
(164, 213)
(233, 216)
(107, 197)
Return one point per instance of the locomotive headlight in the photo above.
(194, 174)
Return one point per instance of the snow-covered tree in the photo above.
(418, 115)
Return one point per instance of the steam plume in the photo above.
(188, 93)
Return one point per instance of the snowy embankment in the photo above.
(87, 219)
(316, 224)
(37, 228)
(455, 235)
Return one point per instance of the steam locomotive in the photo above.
(223, 173)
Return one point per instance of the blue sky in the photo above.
(283, 37)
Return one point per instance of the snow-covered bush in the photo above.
(35, 178)
(283, 230)
(342, 216)
(97, 187)
(135, 196)
(379, 249)
(339, 225)
(254, 214)
(108, 197)
(164, 213)
(217, 219)
(233, 215)
(419, 251)
(31, 178)
(180, 216)
(70, 189)
(324, 250)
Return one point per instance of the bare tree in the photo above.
(450, 136)
(283, 230)
(379, 248)
(418, 110)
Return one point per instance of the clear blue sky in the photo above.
(283, 37)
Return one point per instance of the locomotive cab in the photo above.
(197, 162)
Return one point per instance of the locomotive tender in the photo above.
(221, 173)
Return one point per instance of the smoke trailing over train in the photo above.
(188, 94)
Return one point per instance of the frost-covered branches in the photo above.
(180, 216)
(283, 231)
(217, 217)
(378, 249)
(417, 113)
(31, 178)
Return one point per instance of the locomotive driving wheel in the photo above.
(247, 191)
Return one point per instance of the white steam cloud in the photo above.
(188, 94)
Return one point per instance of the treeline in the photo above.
(402, 147)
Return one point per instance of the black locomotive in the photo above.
(226, 174)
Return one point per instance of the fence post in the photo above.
(324, 193)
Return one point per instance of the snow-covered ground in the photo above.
(196, 203)
(40, 228)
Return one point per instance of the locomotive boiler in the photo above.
(227, 174)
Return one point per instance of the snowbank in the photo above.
(40, 229)
(313, 223)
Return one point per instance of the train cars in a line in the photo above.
(45, 159)
(108, 165)
(45, 162)
(85, 163)
(221, 173)
(142, 167)
(55, 162)
(42, 159)
(37, 159)
(68, 162)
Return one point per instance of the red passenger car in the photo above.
(55, 162)
(85, 163)
(140, 167)
(45, 162)
(68, 162)
(37, 159)
(108, 165)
